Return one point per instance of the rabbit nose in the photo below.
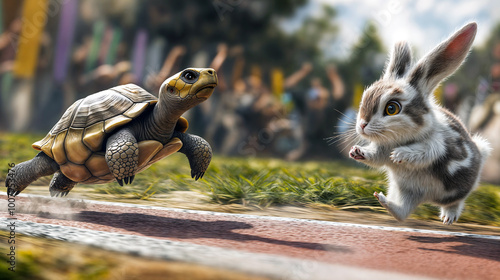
(363, 124)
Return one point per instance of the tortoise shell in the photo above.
(77, 140)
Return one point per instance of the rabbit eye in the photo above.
(392, 108)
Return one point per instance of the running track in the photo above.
(365, 251)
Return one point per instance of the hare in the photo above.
(426, 151)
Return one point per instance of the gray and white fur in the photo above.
(426, 151)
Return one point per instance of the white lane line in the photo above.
(274, 266)
(282, 219)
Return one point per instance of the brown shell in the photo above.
(76, 142)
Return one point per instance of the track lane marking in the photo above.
(272, 218)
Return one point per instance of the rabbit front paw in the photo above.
(401, 155)
(357, 153)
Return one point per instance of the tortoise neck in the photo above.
(161, 122)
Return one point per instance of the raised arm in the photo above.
(220, 57)
(168, 64)
(337, 83)
(296, 77)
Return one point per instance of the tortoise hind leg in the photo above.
(60, 185)
(24, 173)
(198, 152)
(122, 155)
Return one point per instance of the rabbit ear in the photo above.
(443, 60)
(399, 61)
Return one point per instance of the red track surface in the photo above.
(423, 254)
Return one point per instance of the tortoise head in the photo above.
(189, 87)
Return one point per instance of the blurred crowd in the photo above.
(254, 111)
(87, 46)
(485, 115)
(248, 117)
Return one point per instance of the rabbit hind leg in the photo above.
(400, 205)
(451, 213)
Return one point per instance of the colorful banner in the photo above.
(65, 36)
(6, 83)
(1, 17)
(98, 32)
(34, 16)
(358, 93)
(113, 46)
(139, 54)
(277, 84)
(105, 43)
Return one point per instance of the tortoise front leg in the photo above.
(122, 155)
(24, 173)
(198, 152)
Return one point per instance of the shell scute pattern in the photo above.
(76, 142)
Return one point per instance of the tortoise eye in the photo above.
(189, 75)
(392, 108)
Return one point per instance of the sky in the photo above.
(423, 23)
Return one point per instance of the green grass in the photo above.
(289, 185)
(15, 148)
(266, 182)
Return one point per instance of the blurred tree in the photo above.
(312, 34)
(363, 66)
(476, 67)
(304, 45)
(198, 23)
(367, 58)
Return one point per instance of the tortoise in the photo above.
(117, 133)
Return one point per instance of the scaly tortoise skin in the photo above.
(117, 133)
